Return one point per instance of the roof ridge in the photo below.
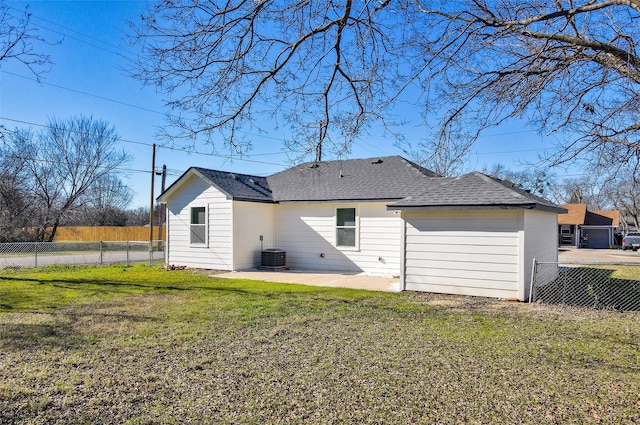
(229, 172)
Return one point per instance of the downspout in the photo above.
(403, 244)
(273, 226)
(167, 235)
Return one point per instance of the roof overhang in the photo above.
(164, 196)
(332, 201)
(532, 206)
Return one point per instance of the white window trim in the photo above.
(206, 226)
(357, 228)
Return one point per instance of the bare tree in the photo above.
(626, 198)
(62, 164)
(104, 204)
(538, 181)
(445, 155)
(14, 199)
(138, 216)
(330, 70)
(17, 40)
(569, 67)
(325, 69)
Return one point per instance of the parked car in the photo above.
(631, 241)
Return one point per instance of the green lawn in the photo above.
(141, 345)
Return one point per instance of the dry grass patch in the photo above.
(177, 347)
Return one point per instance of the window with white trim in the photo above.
(346, 228)
(198, 226)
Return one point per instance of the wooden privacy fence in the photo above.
(107, 233)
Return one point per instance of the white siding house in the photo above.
(463, 252)
(476, 252)
(308, 233)
(472, 235)
(215, 251)
(252, 220)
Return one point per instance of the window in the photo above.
(198, 229)
(346, 227)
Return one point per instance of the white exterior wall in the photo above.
(251, 220)
(541, 243)
(305, 231)
(472, 252)
(218, 255)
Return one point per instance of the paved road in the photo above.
(91, 258)
(598, 255)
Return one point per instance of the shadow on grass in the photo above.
(34, 294)
(243, 286)
(60, 329)
(97, 282)
(120, 287)
(39, 335)
(591, 287)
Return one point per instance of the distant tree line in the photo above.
(68, 173)
(603, 188)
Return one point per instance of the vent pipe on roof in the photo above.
(379, 161)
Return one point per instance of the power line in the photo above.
(229, 157)
(519, 151)
(257, 135)
(185, 150)
(507, 133)
(72, 131)
(82, 92)
(81, 34)
(57, 161)
(83, 39)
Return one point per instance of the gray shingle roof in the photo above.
(242, 187)
(385, 178)
(474, 191)
(391, 178)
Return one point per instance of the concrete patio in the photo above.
(319, 278)
(392, 284)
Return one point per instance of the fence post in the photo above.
(127, 253)
(35, 250)
(100, 252)
(565, 284)
(534, 274)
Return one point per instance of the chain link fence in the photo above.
(597, 285)
(36, 254)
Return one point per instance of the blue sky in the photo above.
(88, 78)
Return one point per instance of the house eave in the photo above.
(475, 207)
(260, 201)
(192, 171)
(334, 201)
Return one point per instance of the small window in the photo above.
(346, 227)
(198, 230)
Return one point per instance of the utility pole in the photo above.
(161, 207)
(151, 202)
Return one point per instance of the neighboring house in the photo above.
(470, 235)
(582, 228)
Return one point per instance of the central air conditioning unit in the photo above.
(273, 259)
